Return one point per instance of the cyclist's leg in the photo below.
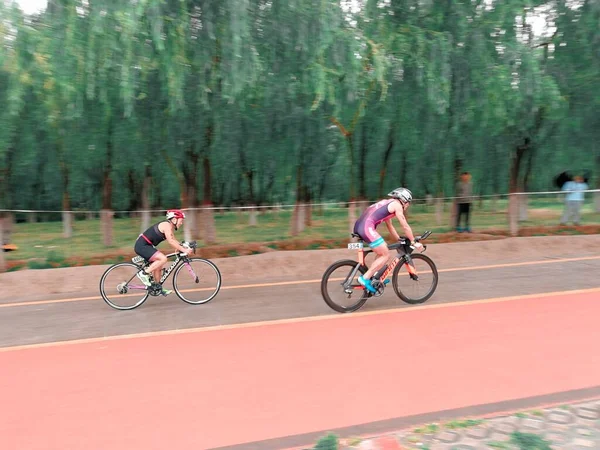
(158, 260)
(147, 252)
(367, 232)
(380, 248)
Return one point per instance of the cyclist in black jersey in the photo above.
(146, 243)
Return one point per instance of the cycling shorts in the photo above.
(144, 249)
(365, 228)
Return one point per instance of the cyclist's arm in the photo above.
(392, 230)
(171, 239)
(405, 226)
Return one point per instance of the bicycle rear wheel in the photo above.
(340, 287)
(199, 283)
(121, 289)
(420, 290)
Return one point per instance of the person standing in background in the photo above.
(464, 192)
(573, 200)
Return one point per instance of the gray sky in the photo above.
(33, 6)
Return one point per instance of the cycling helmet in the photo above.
(402, 194)
(175, 214)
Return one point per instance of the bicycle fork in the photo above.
(192, 273)
(410, 267)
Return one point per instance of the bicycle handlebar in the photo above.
(425, 235)
(192, 244)
(403, 242)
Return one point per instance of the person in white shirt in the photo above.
(573, 200)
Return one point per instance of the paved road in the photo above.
(85, 315)
(221, 383)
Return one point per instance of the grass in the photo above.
(43, 245)
(456, 424)
(431, 428)
(529, 441)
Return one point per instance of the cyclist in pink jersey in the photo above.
(383, 211)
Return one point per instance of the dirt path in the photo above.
(303, 264)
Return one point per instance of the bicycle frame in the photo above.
(399, 247)
(403, 254)
(169, 269)
(166, 272)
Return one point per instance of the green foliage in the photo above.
(329, 442)
(529, 441)
(455, 424)
(285, 101)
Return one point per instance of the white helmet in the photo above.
(402, 194)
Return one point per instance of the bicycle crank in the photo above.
(155, 290)
(379, 287)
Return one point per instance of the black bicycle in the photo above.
(343, 293)
(199, 283)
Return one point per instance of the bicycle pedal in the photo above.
(386, 281)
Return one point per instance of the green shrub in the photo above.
(529, 441)
(329, 442)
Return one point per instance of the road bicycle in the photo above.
(343, 293)
(200, 283)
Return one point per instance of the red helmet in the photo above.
(175, 214)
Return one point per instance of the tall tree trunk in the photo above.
(348, 138)
(597, 194)
(208, 218)
(133, 198)
(185, 204)
(514, 186)
(107, 190)
(3, 265)
(307, 208)
(298, 213)
(456, 176)
(386, 158)
(495, 179)
(67, 215)
(252, 213)
(145, 200)
(362, 189)
(190, 172)
(191, 215)
(4, 171)
(524, 200)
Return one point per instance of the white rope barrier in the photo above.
(291, 205)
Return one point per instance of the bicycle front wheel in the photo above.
(197, 281)
(340, 287)
(419, 290)
(121, 289)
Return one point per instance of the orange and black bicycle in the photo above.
(416, 284)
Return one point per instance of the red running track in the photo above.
(203, 389)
